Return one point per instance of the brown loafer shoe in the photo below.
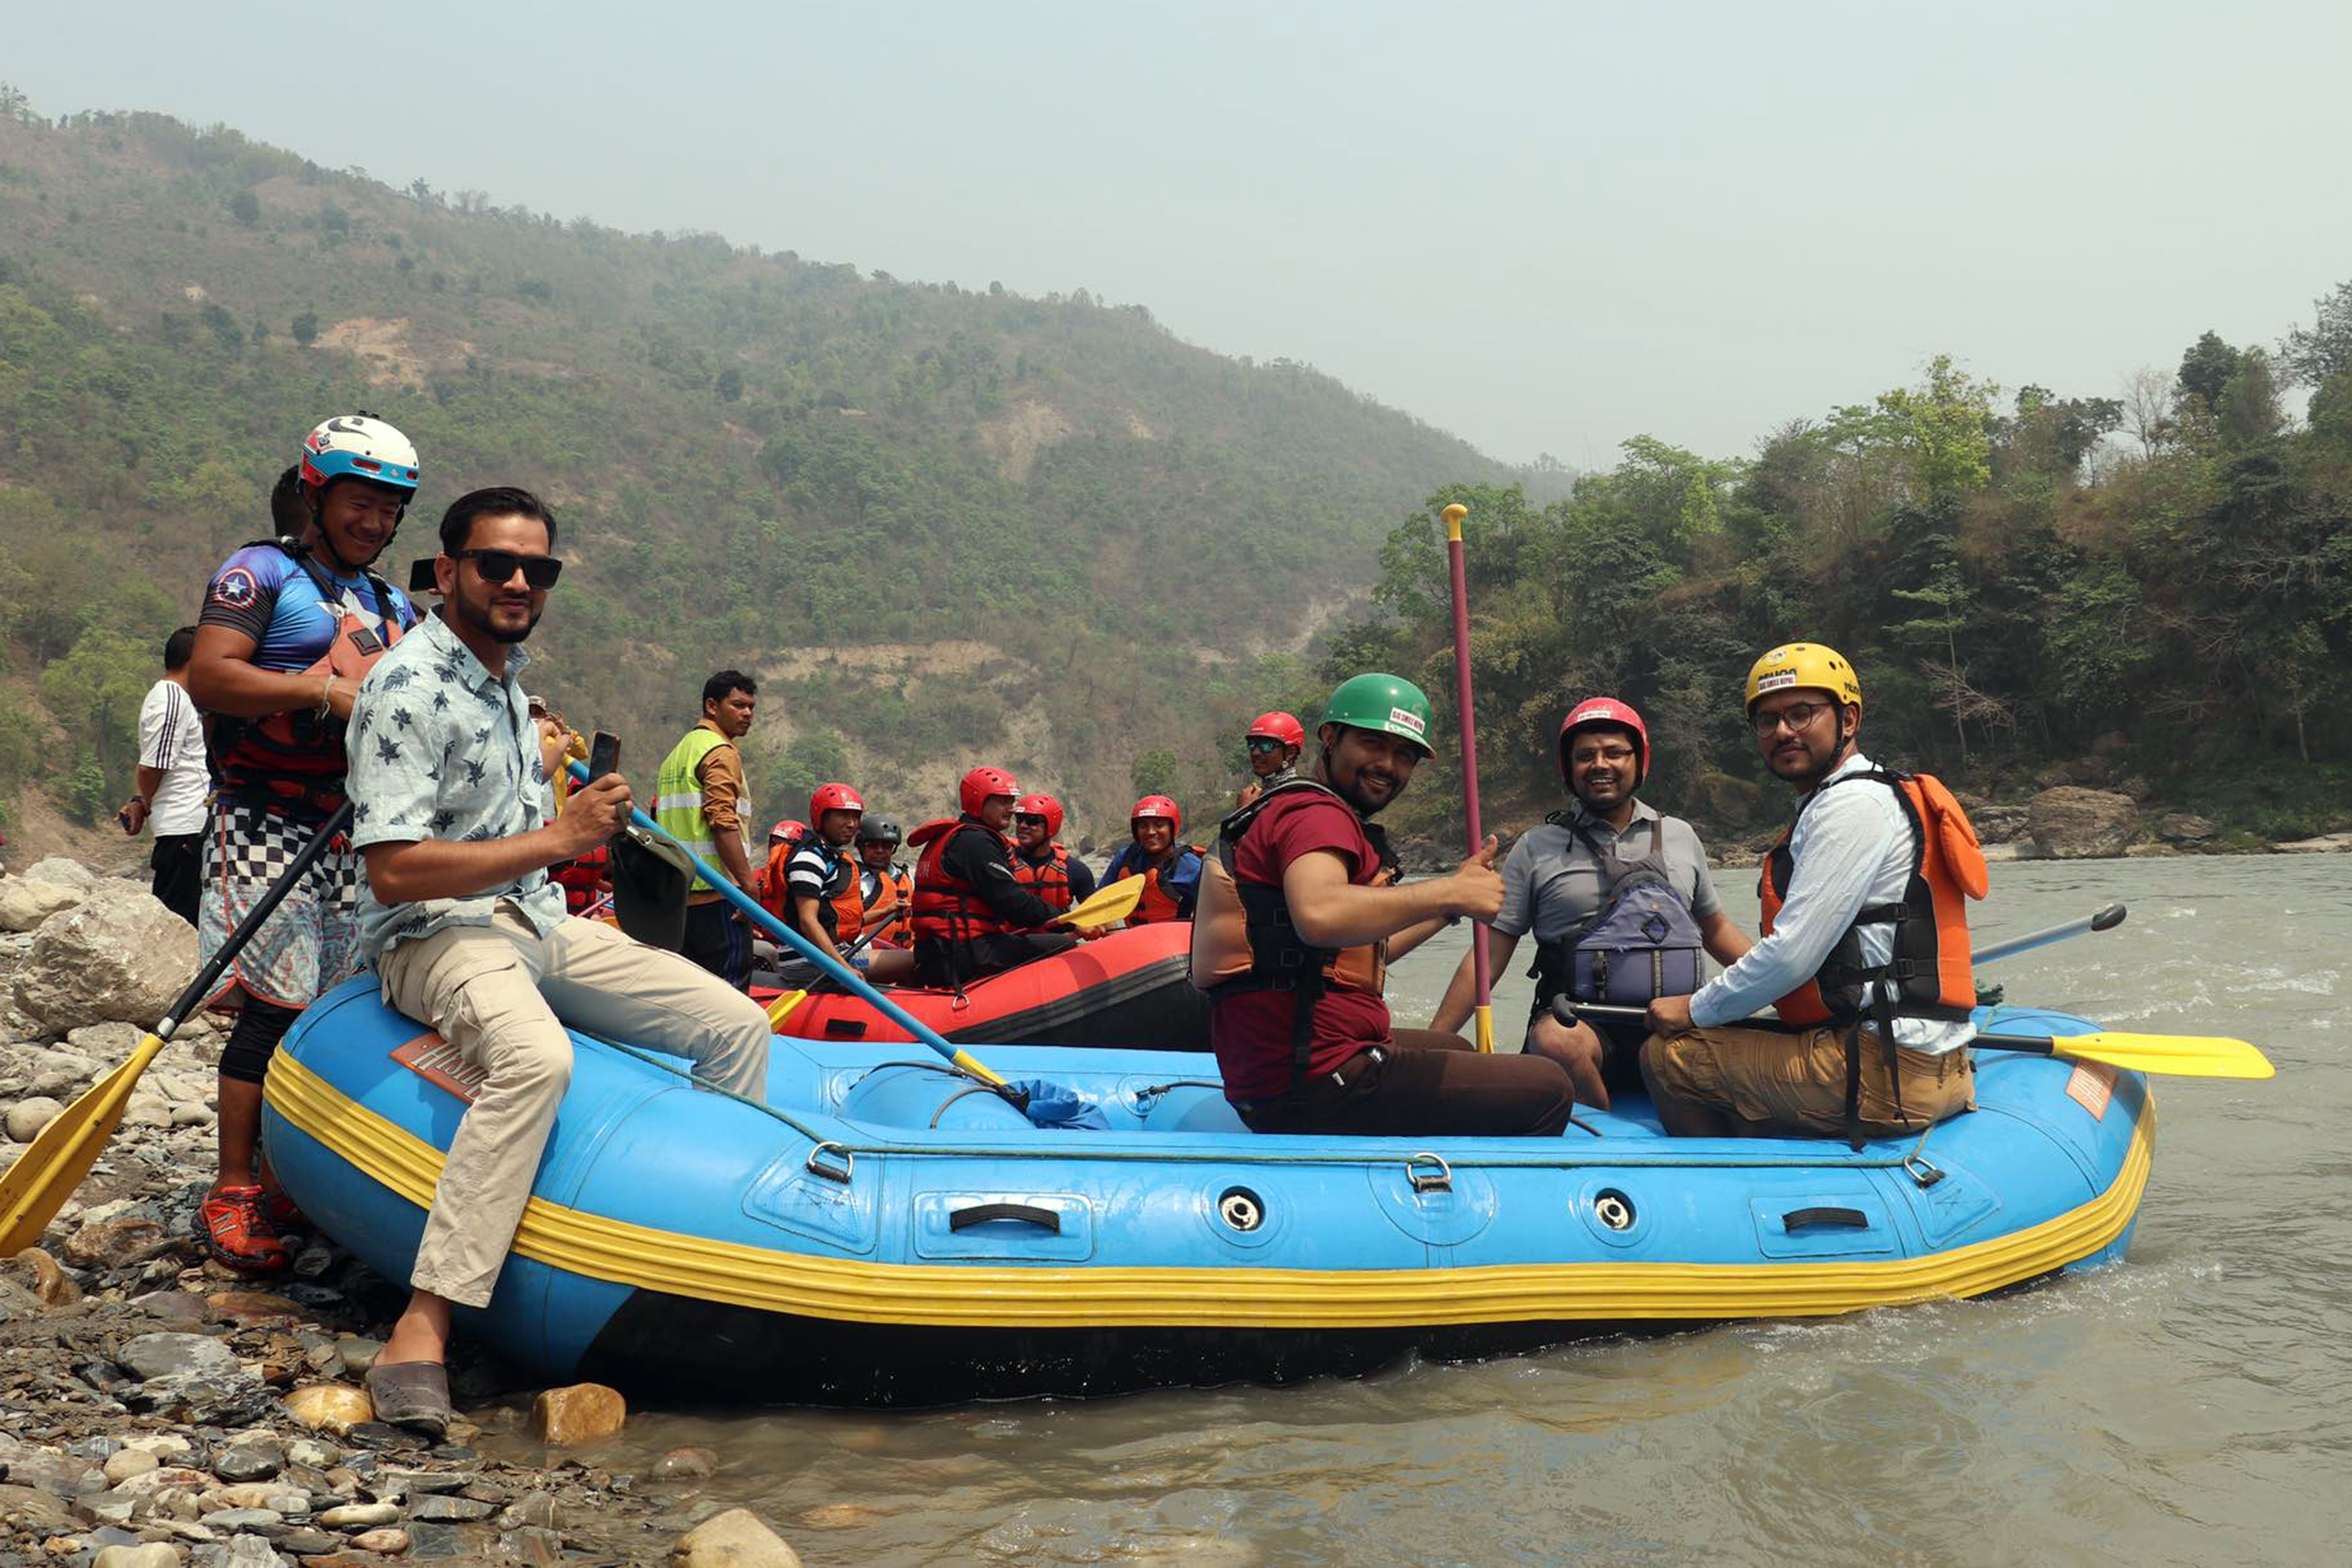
(412, 1394)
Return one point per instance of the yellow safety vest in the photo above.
(678, 793)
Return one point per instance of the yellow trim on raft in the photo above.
(938, 1295)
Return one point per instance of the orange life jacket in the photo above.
(767, 881)
(1927, 970)
(1158, 903)
(1048, 879)
(948, 908)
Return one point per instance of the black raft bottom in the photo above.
(681, 1349)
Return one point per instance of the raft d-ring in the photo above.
(1921, 1170)
(1429, 1172)
(817, 1167)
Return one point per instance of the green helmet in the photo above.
(1386, 704)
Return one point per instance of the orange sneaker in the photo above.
(238, 1234)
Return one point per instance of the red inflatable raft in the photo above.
(1132, 988)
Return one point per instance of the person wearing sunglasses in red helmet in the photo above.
(1275, 740)
(1562, 877)
(1042, 863)
(289, 626)
(1172, 871)
(973, 916)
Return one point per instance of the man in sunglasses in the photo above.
(1874, 867)
(1274, 741)
(456, 822)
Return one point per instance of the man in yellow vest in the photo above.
(699, 798)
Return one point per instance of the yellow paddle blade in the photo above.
(1111, 904)
(45, 1175)
(2183, 1055)
(782, 1007)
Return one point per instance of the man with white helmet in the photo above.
(288, 626)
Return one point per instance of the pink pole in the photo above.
(1480, 968)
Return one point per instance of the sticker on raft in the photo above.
(436, 1061)
(2091, 1086)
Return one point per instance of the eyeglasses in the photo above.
(499, 566)
(1796, 715)
(1263, 743)
(1581, 757)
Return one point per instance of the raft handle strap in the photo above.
(1426, 1180)
(1027, 1214)
(1825, 1213)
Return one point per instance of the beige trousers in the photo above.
(495, 992)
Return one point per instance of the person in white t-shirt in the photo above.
(174, 781)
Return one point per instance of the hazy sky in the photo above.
(1544, 226)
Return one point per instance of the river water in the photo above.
(2192, 1405)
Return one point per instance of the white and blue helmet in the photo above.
(359, 447)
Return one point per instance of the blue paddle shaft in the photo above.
(856, 983)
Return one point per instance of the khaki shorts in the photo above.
(1797, 1082)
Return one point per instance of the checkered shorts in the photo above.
(311, 941)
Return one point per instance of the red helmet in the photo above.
(1607, 711)
(1043, 805)
(833, 797)
(791, 830)
(1157, 807)
(981, 784)
(1279, 726)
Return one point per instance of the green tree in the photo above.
(1155, 772)
(305, 327)
(245, 207)
(2206, 368)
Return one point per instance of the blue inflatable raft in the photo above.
(889, 1232)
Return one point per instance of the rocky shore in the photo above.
(157, 1409)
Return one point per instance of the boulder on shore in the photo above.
(25, 903)
(2183, 827)
(1998, 824)
(2069, 823)
(736, 1539)
(120, 957)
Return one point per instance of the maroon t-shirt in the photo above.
(1251, 1032)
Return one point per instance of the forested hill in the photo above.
(943, 523)
(2150, 594)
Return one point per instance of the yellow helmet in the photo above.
(1798, 664)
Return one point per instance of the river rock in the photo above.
(153, 1554)
(28, 1117)
(736, 1539)
(685, 1464)
(116, 1243)
(248, 1307)
(450, 1510)
(359, 1515)
(25, 904)
(2072, 824)
(330, 1407)
(129, 1463)
(1998, 824)
(253, 1457)
(159, 1355)
(2183, 827)
(391, 1540)
(121, 955)
(581, 1412)
(67, 872)
(39, 1272)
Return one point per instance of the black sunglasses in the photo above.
(498, 566)
(1261, 744)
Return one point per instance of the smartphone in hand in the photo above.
(604, 755)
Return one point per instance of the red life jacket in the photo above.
(1048, 879)
(946, 907)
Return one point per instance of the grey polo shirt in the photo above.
(1552, 883)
